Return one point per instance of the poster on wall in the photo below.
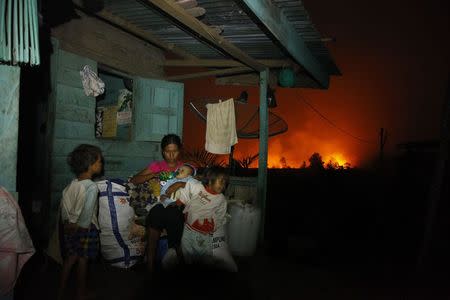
(124, 104)
(109, 121)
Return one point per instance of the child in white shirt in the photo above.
(79, 207)
(205, 212)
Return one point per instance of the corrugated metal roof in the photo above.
(297, 15)
(237, 27)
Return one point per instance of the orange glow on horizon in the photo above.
(336, 158)
(308, 133)
(281, 161)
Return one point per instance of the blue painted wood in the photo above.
(26, 34)
(69, 67)
(69, 77)
(74, 113)
(263, 146)
(58, 182)
(35, 31)
(158, 109)
(112, 163)
(111, 147)
(73, 130)
(21, 32)
(73, 96)
(2, 30)
(72, 124)
(15, 34)
(8, 31)
(68, 60)
(274, 21)
(9, 125)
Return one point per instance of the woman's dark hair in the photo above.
(82, 157)
(213, 173)
(170, 139)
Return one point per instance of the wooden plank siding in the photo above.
(105, 44)
(9, 125)
(161, 109)
(71, 121)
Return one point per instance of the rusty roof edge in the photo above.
(275, 24)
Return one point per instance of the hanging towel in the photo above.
(16, 246)
(220, 127)
(92, 84)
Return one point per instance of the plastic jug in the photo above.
(243, 229)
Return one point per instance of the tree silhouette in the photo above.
(332, 165)
(316, 162)
(283, 163)
(303, 165)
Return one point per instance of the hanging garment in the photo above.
(220, 127)
(16, 246)
(92, 84)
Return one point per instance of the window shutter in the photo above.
(158, 109)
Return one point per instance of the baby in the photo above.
(183, 174)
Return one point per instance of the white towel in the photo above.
(92, 84)
(220, 127)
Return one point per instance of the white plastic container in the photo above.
(243, 229)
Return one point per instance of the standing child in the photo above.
(205, 214)
(79, 207)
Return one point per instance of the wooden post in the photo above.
(8, 32)
(231, 163)
(15, 52)
(263, 147)
(35, 32)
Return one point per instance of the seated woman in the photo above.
(161, 218)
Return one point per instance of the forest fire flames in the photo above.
(284, 160)
(334, 160)
(292, 152)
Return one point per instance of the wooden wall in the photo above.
(71, 121)
(9, 125)
(105, 44)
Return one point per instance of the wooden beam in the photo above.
(137, 31)
(263, 147)
(246, 79)
(274, 22)
(228, 71)
(202, 32)
(269, 63)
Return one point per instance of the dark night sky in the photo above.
(394, 57)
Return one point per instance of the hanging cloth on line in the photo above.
(92, 84)
(220, 127)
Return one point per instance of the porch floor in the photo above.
(267, 275)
